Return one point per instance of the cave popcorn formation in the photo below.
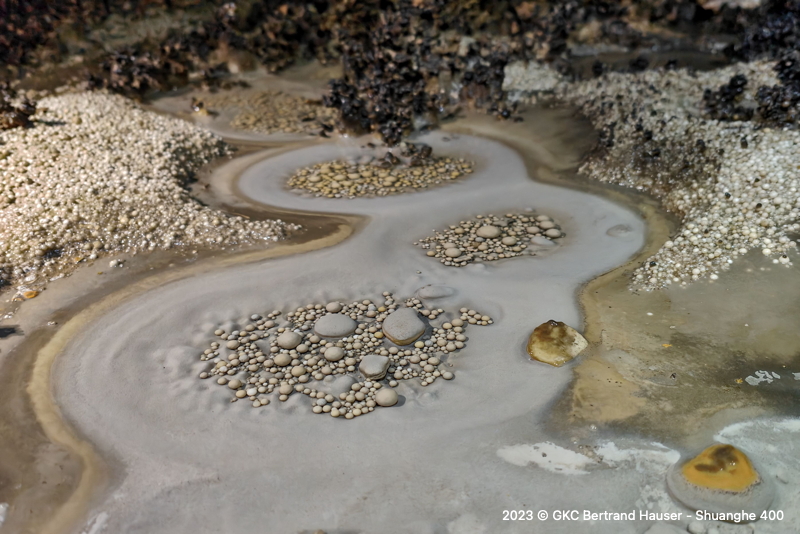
(356, 353)
(380, 177)
(492, 237)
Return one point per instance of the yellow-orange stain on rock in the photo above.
(721, 467)
(555, 343)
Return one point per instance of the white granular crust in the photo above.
(733, 184)
(97, 175)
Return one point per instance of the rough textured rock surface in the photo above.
(555, 343)
(404, 326)
(374, 367)
(720, 479)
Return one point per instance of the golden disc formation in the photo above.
(720, 479)
(721, 467)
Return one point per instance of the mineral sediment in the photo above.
(272, 112)
(390, 344)
(96, 175)
(492, 237)
(733, 184)
(381, 177)
(555, 343)
(720, 479)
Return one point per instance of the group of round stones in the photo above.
(490, 237)
(341, 179)
(271, 112)
(347, 358)
(96, 175)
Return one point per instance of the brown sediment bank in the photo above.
(36, 474)
(50, 474)
(672, 353)
(683, 356)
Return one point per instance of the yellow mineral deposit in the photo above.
(555, 343)
(721, 467)
(721, 479)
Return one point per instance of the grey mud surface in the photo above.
(187, 460)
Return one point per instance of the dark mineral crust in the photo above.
(407, 64)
